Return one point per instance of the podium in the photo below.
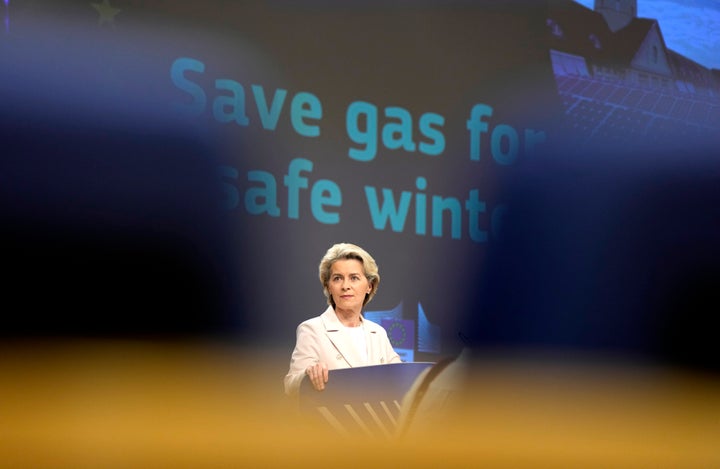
(362, 400)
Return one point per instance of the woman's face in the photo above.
(348, 285)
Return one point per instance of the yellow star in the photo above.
(107, 13)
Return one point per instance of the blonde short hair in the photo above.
(348, 251)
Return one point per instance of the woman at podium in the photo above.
(340, 337)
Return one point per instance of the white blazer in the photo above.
(323, 339)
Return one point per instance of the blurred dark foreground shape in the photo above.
(592, 337)
(110, 215)
(613, 252)
(112, 232)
